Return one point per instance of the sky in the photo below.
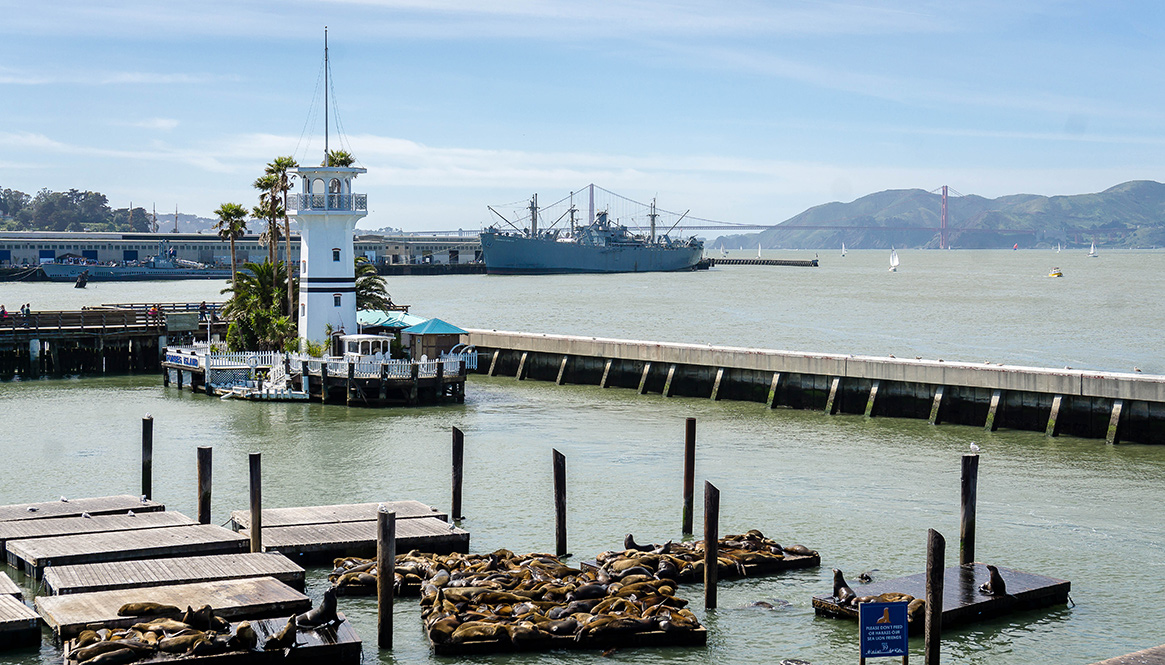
(743, 111)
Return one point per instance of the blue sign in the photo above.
(883, 629)
(179, 359)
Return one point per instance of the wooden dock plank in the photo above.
(352, 512)
(35, 554)
(9, 588)
(1154, 656)
(101, 505)
(65, 526)
(427, 534)
(19, 625)
(962, 601)
(90, 577)
(255, 597)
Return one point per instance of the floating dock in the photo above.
(9, 588)
(427, 534)
(352, 512)
(1112, 406)
(963, 603)
(102, 505)
(1154, 656)
(19, 625)
(33, 555)
(68, 526)
(259, 597)
(655, 638)
(90, 577)
(796, 263)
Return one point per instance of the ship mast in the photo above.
(325, 95)
(572, 212)
(651, 215)
(534, 217)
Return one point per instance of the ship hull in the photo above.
(64, 272)
(517, 255)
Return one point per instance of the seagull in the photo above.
(1136, 369)
(918, 357)
(974, 447)
(86, 516)
(381, 508)
(33, 509)
(891, 355)
(144, 499)
(130, 514)
(64, 500)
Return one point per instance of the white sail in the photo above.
(893, 260)
(1092, 252)
(1057, 248)
(758, 250)
(843, 249)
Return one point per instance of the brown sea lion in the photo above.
(180, 643)
(441, 630)
(114, 657)
(477, 631)
(244, 638)
(146, 609)
(800, 550)
(841, 590)
(160, 626)
(322, 615)
(93, 650)
(994, 586)
(204, 619)
(629, 544)
(284, 639)
(86, 638)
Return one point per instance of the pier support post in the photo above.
(991, 413)
(1114, 419)
(204, 456)
(643, 379)
(560, 503)
(440, 380)
(351, 381)
(255, 461)
(773, 389)
(873, 398)
(936, 406)
(1053, 416)
(324, 381)
(34, 357)
(493, 363)
(303, 377)
(711, 543)
(165, 375)
(458, 472)
(148, 456)
(970, 485)
(561, 370)
(831, 403)
(716, 386)
(606, 373)
(414, 388)
(935, 553)
(522, 367)
(689, 473)
(671, 373)
(382, 391)
(385, 574)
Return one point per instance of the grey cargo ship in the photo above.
(602, 246)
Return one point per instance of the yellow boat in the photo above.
(1055, 272)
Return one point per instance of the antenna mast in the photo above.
(534, 216)
(652, 217)
(325, 95)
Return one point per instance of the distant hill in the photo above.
(1131, 214)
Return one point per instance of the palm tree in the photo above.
(278, 168)
(339, 158)
(371, 292)
(255, 307)
(270, 208)
(232, 224)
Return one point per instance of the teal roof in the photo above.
(434, 327)
(382, 319)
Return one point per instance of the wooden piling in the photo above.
(996, 398)
(831, 401)
(1053, 416)
(1113, 435)
(204, 456)
(716, 385)
(970, 486)
(458, 472)
(256, 503)
(689, 473)
(772, 400)
(643, 378)
(324, 381)
(561, 370)
(606, 373)
(936, 406)
(147, 456)
(560, 503)
(935, 553)
(385, 575)
(711, 543)
(873, 398)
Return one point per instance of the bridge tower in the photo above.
(942, 232)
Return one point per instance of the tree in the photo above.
(371, 292)
(339, 158)
(256, 309)
(278, 168)
(232, 224)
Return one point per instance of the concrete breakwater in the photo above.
(1104, 405)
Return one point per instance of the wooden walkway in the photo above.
(33, 555)
(19, 625)
(1154, 656)
(101, 505)
(427, 534)
(352, 512)
(90, 577)
(9, 588)
(257, 597)
(963, 603)
(67, 526)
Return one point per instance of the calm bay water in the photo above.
(861, 491)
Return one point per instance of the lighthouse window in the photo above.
(336, 299)
(336, 254)
(302, 309)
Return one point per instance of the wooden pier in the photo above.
(33, 555)
(9, 588)
(19, 625)
(655, 638)
(102, 505)
(259, 597)
(67, 526)
(963, 603)
(1154, 656)
(90, 577)
(351, 512)
(427, 534)
(796, 263)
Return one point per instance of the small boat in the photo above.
(1057, 248)
(1055, 272)
(843, 249)
(893, 260)
(758, 250)
(1015, 247)
(82, 280)
(1092, 252)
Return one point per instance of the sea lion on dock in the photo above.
(841, 590)
(146, 609)
(204, 619)
(86, 638)
(629, 544)
(994, 586)
(322, 615)
(160, 626)
(244, 638)
(800, 550)
(181, 643)
(284, 639)
(115, 657)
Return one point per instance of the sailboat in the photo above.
(843, 249)
(1057, 248)
(1092, 252)
(758, 250)
(893, 260)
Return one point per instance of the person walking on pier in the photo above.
(202, 311)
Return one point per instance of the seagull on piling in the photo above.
(130, 514)
(86, 516)
(64, 500)
(1136, 369)
(144, 499)
(974, 447)
(381, 508)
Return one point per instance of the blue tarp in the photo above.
(434, 327)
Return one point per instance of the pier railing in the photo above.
(341, 202)
(196, 357)
(86, 321)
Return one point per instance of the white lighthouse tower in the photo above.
(327, 212)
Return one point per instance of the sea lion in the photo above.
(284, 639)
(160, 626)
(244, 638)
(841, 590)
(146, 609)
(629, 544)
(114, 657)
(865, 577)
(994, 586)
(441, 630)
(477, 631)
(800, 550)
(204, 619)
(180, 643)
(94, 650)
(86, 638)
(322, 615)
